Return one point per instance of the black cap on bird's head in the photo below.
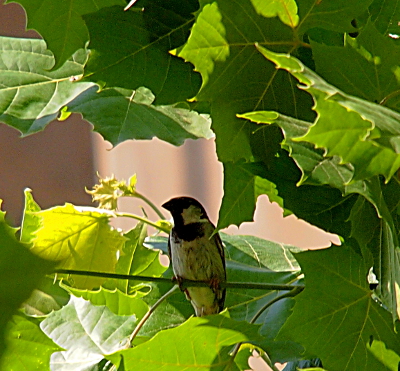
(177, 205)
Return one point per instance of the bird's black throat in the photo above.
(188, 232)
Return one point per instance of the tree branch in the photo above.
(185, 283)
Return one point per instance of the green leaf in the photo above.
(235, 80)
(48, 296)
(116, 301)
(20, 273)
(258, 252)
(30, 94)
(250, 259)
(335, 16)
(383, 15)
(376, 234)
(242, 187)
(27, 348)
(199, 342)
(87, 333)
(30, 221)
(61, 25)
(336, 306)
(134, 117)
(78, 238)
(386, 356)
(141, 56)
(364, 67)
(136, 259)
(286, 10)
(371, 131)
(316, 169)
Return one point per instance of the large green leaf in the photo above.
(335, 16)
(130, 49)
(372, 132)
(121, 114)
(336, 317)
(87, 333)
(198, 343)
(316, 169)
(136, 259)
(243, 185)
(365, 67)
(27, 347)
(30, 94)
(60, 23)
(378, 234)
(116, 301)
(221, 46)
(258, 252)
(384, 15)
(20, 273)
(78, 238)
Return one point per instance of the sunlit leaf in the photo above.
(134, 117)
(87, 333)
(199, 342)
(30, 94)
(27, 347)
(73, 34)
(78, 238)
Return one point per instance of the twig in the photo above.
(148, 202)
(185, 283)
(295, 291)
(144, 220)
(150, 312)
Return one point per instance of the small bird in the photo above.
(197, 254)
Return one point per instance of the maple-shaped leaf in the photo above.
(61, 25)
(131, 49)
(87, 333)
(27, 347)
(336, 317)
(31, 94)
(199, 343)
(78, 238)
(361, 133)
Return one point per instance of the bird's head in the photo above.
(186, 210)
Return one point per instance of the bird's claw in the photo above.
(215, 284)
(179, 281)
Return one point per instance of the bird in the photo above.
(196, 253)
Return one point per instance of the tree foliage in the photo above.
(303, 99)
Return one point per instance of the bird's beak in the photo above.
(168, 205)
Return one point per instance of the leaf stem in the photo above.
(390, 96)
(188, 283)
(295, 290)
(154, 207)
(144, 220)
(150, 312)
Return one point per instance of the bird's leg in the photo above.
(215, 284)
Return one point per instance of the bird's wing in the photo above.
(169, 248)
(220, 246)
